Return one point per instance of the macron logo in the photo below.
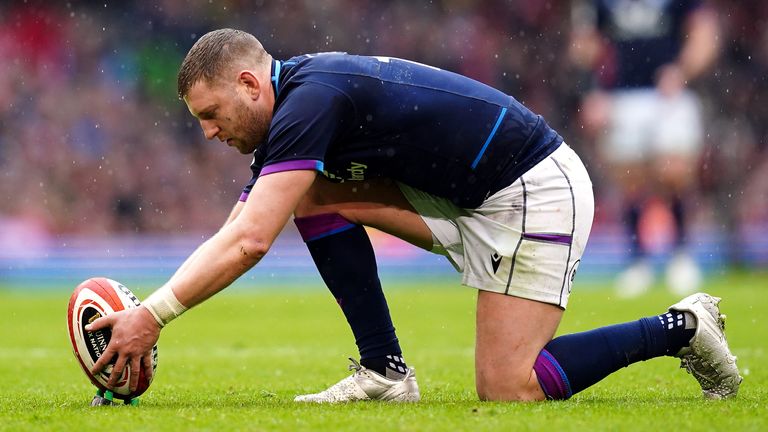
(495, 261)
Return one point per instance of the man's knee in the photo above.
(503, 385)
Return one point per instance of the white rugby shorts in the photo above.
(643, 125)
(525, 240)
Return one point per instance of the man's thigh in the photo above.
(376, 203)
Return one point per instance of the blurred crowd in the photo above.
(93, 139)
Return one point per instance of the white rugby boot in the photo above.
(365, 384)
(708, 358)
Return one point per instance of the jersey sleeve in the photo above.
(305, 123)
(256, 164)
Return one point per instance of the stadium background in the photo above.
(103, 172)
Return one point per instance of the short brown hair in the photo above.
(214, 53)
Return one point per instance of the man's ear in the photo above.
(251, 84)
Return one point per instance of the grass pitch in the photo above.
(235, 363)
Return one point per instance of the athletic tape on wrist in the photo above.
(164, 306)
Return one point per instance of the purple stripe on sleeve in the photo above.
(551, 377)
(244, 196)
(552, 238)
(304, 164)
(319, 226)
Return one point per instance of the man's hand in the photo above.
(134, 333)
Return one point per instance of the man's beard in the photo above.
(255, 128)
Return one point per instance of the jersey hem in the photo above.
(543, 297)
(293, 165)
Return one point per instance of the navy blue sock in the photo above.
(571, 363)
(345, 259)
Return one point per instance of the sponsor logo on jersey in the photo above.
(357, 171)
(332, 177)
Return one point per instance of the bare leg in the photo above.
(511, 333)
(374, 203)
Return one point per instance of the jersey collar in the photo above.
(276, 66)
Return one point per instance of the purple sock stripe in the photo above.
(319, 226)
(243, 196)
(551, 377)
(303, 164)
(560, 371)
(554, 238)
(332, 232)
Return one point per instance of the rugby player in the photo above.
(449, 164)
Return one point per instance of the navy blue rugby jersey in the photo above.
(645, 34)
(354, 118)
